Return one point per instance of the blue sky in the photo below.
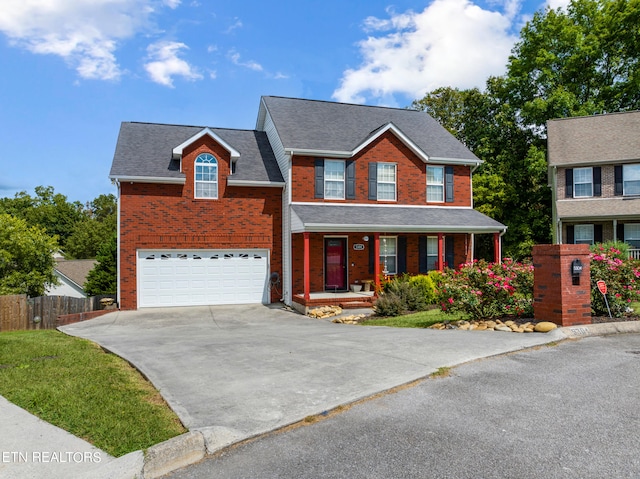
(74, 69)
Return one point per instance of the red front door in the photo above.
(335, 264)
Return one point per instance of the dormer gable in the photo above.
(178, 150)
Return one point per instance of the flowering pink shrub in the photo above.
(488, 290)
(610, 263)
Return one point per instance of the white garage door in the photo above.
(202, 277)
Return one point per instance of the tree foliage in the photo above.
(578, 61)
(102, 279)
(26, 257)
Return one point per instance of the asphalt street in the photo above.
(568, 410)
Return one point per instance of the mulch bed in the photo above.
(607, 319)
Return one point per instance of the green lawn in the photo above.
(74, 384)
(423, 319)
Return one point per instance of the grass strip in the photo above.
(75, 385)
(422, 319)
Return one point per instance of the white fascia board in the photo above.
(377, 228)
(455, 161)
(177, 151)
(320, 153)
(401, 136)
(148, 179)
(267, 184)
(380, 205)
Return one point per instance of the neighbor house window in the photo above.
(388, 254)
(334, 180)
(435, 184)
(631, 182)
(206, 176)
(583, 234)
(632, 234)
(582, 182)
(387, 181)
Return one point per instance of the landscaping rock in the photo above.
(351, 319)
(545, 327)
(325, 312)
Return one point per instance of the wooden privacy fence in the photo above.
(17, 312)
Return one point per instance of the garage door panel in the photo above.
(202, 277)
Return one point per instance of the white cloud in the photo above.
(234, 56)
(237, 24)
(554, 4)
(165, 64)
(172, 4)
(450, 43)
(85, 33)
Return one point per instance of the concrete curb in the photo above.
(602, 329)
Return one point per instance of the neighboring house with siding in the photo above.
(594, 175)
(319, 196)
(72, 275)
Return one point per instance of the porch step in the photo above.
(356, 304)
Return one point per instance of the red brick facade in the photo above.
(358, 268)
(556, 297)
(411, 175)
(165, 216)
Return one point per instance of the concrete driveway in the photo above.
(246, 370)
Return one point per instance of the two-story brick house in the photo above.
(594, 175)
(319, 196)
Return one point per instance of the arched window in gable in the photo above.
(206, 176)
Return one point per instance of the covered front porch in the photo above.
(336, 249)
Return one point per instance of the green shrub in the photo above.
(488, 290)
(405, 293)
(389, 305)
(610, 263)
(425, 286)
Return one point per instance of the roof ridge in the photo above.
(345, 103)
(151, 123)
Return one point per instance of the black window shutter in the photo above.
(618, 179)
(568, 183)
(422, 255)
(319, 178)
(351, 180)
(373, 181)
(402, 254)
(372, 258)
(448, 184)
(620, 232)
(597, 181)
(597, 233)
(449, 256)
(571, 239)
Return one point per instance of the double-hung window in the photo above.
(334, 179)
(632, 234)
(583, 234)
(435, 184)
(387, 181)
(582, 182)
(389, 254)
(206, 176)
(432, 253)
(631, 182)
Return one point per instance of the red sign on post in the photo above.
(602, 287)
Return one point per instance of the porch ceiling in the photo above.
(389, 219)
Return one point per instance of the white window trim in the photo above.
(624, 182)
(395, 239)
(441, 200)
(344, 182)
(585, 240)
(196, 182)
(434, 255)
(381, 182)
(575, 183)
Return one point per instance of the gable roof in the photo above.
(75, 271)
(594, 139)
(321, 127)
(145, 152)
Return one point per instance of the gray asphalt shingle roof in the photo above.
(145, 150)
(322, 125)
(426, 219)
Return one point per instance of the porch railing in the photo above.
(634, 253)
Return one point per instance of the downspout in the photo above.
(119, 256)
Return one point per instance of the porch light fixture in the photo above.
(365, 238)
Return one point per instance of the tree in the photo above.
(578, 61)
(91, 233)
(102, 279)
(26, 257)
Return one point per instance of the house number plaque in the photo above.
(358, 246)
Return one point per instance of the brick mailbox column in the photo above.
(559, 294)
